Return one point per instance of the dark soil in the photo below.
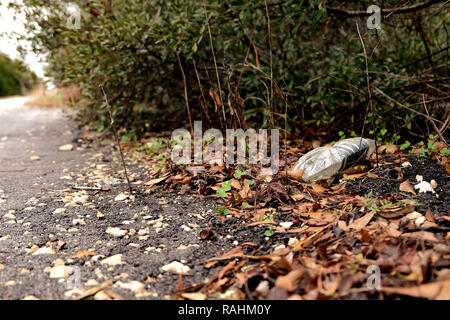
(389, 180)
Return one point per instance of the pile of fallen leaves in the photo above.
(372, 232)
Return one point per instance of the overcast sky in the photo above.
(10, 24)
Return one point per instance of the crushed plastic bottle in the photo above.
(325, 162)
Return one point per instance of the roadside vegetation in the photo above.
(15, 77)
(289, 64)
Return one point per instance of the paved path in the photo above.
(53, 245)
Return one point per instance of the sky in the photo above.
(8, 46)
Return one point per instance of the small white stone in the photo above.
(135, 286)
(185, 228)
(406, 164)
(263, 288)
(91, 283)
(78, 222)
(419, 221)
(176, 267)
(9, 216)
(121, 197)
(66, 147)
(158, 224)
(44, 250)
(414, 215)
(433, 184)
(116, 232)
(279, 248)
(5, 238)
(60, 272)
(424, 187)
(114, 260)
(292, 242)
(143, 232)
(286, 225)
(59, 210)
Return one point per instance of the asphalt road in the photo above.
(54, 242)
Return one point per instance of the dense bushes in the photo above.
(15, 77)
(130, 47)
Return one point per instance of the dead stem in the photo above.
(117, 141)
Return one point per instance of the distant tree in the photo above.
(15, 77)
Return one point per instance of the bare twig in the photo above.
(94, 290)
(117, 141)
(91, 188)
(215, 62)
(418, 25)
(186, 98)
(271, 105)
(407, 108)
(285, 143)
(445, 125)
(428, 56)
(432, 122)
(203, 101)
(369, 92)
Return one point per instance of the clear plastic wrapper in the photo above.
(325, 162)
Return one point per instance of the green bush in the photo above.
(15, 77)
(130, 47)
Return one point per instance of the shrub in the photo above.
(130, 47)
(15, 77)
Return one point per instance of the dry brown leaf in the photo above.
(258, 63)
(227, 268)
(393, 213)
(245, 192)
(298, 196)
(391, 149)
(406, 186)
(434, 291)
(82, 254)
(211, 264)
(295, 174)
(233, 253)
(215, 98)
(289, 281)
(421, 235)
(235, 184)
(153, 182)
(360, 223)
(353, 176)
(310, 240)
(317, 188)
